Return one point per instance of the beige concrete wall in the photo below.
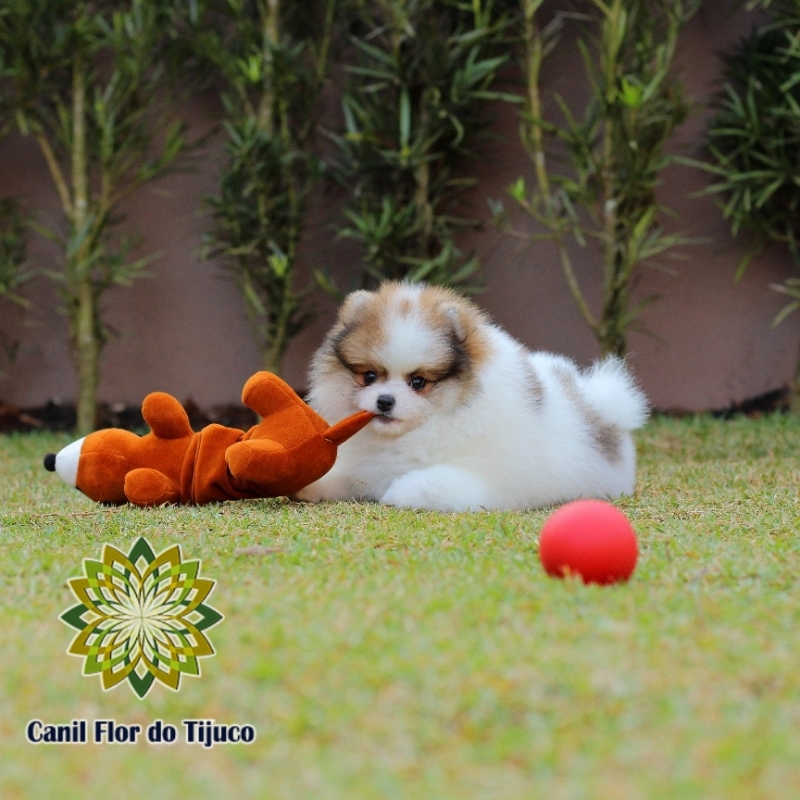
(183, 330)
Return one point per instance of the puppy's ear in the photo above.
(463, 317)
(353, 303)
(466, 322)
(455, 316)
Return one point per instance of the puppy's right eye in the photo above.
(367, 378)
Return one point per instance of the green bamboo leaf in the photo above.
(252, 298)
(405, 119)
(491, 95)
(48, 233)
(642, 225)
(631, 94)
(349, 117)
(518, 190)
(385, 76)
(769, 190)
(279, 264)
(784, 312)
(745, 260)
(460, 130)
(373, 52)
(78, 237)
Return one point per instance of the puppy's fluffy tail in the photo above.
(611, 391)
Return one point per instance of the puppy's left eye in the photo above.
(417, 383)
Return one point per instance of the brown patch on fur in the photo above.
(471, 322)
(609, 439)
(361, 330)
(352, 303)
(464, 322)
(358, 333)
(606, 437)
(534, 388)
(445, 309)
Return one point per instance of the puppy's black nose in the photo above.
(385, 403)
(50, 462)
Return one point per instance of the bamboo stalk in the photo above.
(608, 199)
(325, 45)
(615, 149)
(534, 54)
(57, 175)
(270, 22)
(276, 346)
(85, 342)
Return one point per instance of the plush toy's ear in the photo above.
(166, 417)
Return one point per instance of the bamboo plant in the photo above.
(86, 80)
(414, 106)
(272, 57)
(14, 271)
(613, 148)
(753, 144)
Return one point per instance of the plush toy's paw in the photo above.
(267, 394)
(149, 487)
(254, 459)
(278, 470)
(284, 413)
(166, 417)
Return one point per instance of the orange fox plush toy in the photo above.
(290, 448)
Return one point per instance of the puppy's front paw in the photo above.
(328, 487)
(310, 494)
(440, 488)
(407, 492)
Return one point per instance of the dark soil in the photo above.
(777, 401)
(57, 416)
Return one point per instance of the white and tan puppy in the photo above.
(469, 418)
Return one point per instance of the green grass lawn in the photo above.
(397, 654)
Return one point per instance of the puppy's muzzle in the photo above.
(385, 403)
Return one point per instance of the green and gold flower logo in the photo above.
(141, 617)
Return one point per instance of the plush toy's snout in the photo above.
(290, 448)
(65, 462)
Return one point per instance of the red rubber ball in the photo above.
(589, 538)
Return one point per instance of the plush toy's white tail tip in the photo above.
(67, 462)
